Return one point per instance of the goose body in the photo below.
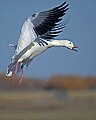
(37, 35)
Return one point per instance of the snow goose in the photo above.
(36, 36)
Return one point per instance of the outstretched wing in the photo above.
(40, 25)
(55, 31)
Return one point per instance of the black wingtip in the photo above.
(61, 6)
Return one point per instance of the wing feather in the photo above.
(27, 36)
(40, 25)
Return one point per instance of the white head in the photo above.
(68, 44)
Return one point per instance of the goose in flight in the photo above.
(36, 36)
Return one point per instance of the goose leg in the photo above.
(15, 72)
(22, 75)
(16, 68)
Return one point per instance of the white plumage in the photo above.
(36, 36)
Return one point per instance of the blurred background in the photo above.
(59, 83)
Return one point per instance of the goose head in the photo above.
(70, 45)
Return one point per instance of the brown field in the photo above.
(73, 98)
(48, 105)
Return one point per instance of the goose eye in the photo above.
(70, 42)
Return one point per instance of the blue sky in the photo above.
(81, 30)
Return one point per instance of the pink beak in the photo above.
(74, 48)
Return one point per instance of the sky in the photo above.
(81, 30)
